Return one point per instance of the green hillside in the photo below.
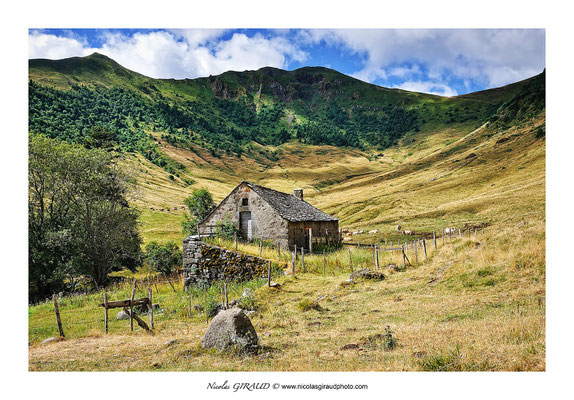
(371, 156)
(229, 113)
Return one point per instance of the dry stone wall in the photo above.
(204, 263)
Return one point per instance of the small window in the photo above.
(245, 202)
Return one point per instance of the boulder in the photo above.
(230, 329)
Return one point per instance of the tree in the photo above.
(163, 258)
(199, 205)
(79, 220)
(100, 138)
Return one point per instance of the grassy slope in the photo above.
(435, 186)
(474, 305)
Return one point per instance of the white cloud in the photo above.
(428, 87)
(41, 45)
(177, 54)
(490, 56)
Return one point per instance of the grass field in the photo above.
(475, 304)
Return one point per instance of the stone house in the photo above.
(262, 213)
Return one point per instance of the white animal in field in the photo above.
(448, 231)
(374, 231)
(360, 232)
(347, 239)
(407, 232)
(399, 229)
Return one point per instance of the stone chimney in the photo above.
(298, 193)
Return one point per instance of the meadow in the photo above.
(474, 304)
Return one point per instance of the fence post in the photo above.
(442, 235)
(404, 256)
(406, 245)
(106, 311)
(358, 244)
(350, 260)
(260, 246)
(58, 320)
(475, 233)
(293, 264)
(376, 258)
(132, 306)
(205, 302)
(226, 294)
(434, 239)
(188, 300)
(416, 252)
(459, 233)
(269, 274)
(150, 307)
(425, 248)
(279, 250)
(323, 261)
(235, 236)
(302, 259)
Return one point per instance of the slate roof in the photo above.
(288, 206)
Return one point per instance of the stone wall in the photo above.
(205, 263)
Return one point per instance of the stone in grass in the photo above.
(351, 346)
(230, 329)
(122, 315)
(52, 339)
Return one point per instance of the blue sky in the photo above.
(446, 62)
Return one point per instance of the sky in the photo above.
(447, 62)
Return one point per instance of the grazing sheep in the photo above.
(374, 231)
(407, 232)
(399, 229)
(448, 231)
(347, 239)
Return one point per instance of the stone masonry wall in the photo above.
(204, 263)
(266, 222)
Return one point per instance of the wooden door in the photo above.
(244, 218)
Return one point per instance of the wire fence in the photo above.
(81, 314)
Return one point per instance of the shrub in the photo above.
(163, 258)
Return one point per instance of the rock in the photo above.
(170, 343)
(368, 274)
(52, 339)
(347, 282)
(350, 346)
(122, 315)
(230, 329)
